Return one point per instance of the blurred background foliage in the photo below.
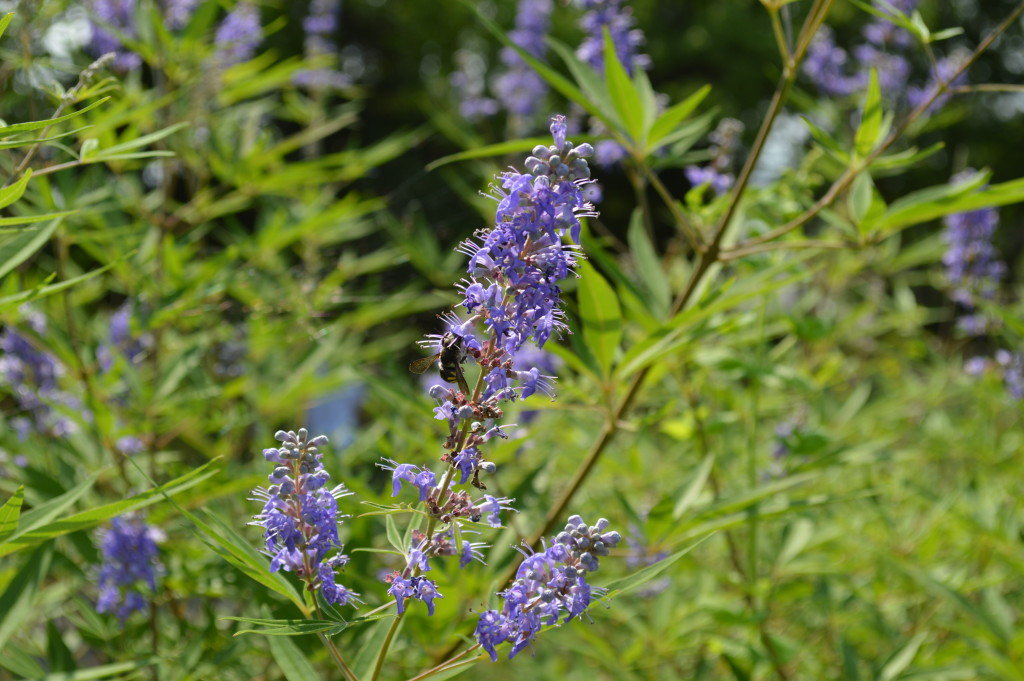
(248, 254)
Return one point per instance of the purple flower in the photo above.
(719, 182)
(30, 374)
(826, 65)
(468, 83)
(130, 565)
(424, 479)
(972, 263)
(123, 340)
(116, 18)
(178, 12)
(321, 22)
(300, 514)
(238, 35)
(519, 88)
(420, 588)
(942, 73)
(599, 14)
(549, 584)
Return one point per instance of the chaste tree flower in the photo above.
(130, 565)
(549, 584)
(973, 267)
(238, 35)
(510, 297)
(319, 26)
(519, 88)
(300, 515)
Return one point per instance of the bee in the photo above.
(449, 362)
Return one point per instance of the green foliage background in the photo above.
(308, 239)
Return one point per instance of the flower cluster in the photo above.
(599, 14)
(972, 263)
(115, 20)
(1008, 365)
(319, 25)
(641, 554)
(548, 584)
(619, 20)
(122, 340)
(300, 515)
(724, 142)
(469, 83)
(31, 375)
(130, 565)
(883, 49)
(519, 88)
(238, 35)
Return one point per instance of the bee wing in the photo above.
(422, 364)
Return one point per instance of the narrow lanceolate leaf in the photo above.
(36, 125)
(600, 315)
(624, 94)
(935, 202)
(5, 22)
(17, 600)
(290, 627)
(9, 195)
(93, 517)
(9, 513)
(641, 577)
(23, 245)
(668, 121)
(871, 118)
(233, 548)
(902, 658)
(290, 659)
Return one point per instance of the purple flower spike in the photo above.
(130, 565)
(300, 515)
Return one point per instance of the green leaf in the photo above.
(902, 658)
(648, 267)
(9, 195)
(859, 197)
(41, 291)
(118, 150)
(5, 22)
(625, 96)
(29, 219)
(937, 588)
(10, 512)
(499, 149)
(394, 535)
(641, 577)
(91, 518)
(47, 511)
(870, 127)
(600, 316)
(36, 125)
(290, 627)
(826, 141)
(668, 121)
(17, 601)
(22, 246)
(290, 659)
(104, 671)
(928, 204)
(693, 489)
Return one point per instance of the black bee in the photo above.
(449, 362)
